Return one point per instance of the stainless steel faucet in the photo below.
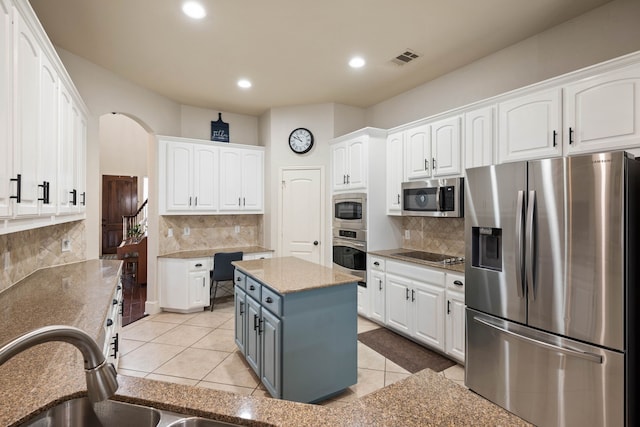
(101, 376)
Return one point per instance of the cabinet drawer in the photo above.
(200, 264)
(415, 272)
(252, 288)
(271, 301)
(240, 279)
(455, 282)
(376, 263)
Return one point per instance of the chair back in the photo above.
(222, 268)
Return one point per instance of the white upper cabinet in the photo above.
(6, 85)
(48, 139)
(445, 143)
(203, 177)
(479, 138)
(395, 172)
(27, 111)
(418, 152)
(190, 178)
(603, 112)
(349, 164)
(530, 126)
(241, 180)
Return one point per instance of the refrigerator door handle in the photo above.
(519, 244)
(596, 358)
(531, 245)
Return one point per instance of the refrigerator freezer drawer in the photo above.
(543, 378)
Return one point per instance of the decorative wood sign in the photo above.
(220, 130)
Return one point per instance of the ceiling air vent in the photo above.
(405, 57)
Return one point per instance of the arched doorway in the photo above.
(124, 192)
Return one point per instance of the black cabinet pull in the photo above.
(434, 163)
(398, 198)
(376, 263)
(269, 300)
(18, 181)
(74, 197)
(413, 295)
(255, 322)
(238, 279)
(458, 283)
(260, 329)
(570, 136)
(115, 301)
(198, 265)
(109, 322)
(241, 308)
(555, 134)
(448, 307)
(45, 192)
(84, 198)
(252, 288)
(407, 293)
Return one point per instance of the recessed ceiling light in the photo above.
(194, 10)
(244, 83)
(357, 62)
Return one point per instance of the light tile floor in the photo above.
(199, 350)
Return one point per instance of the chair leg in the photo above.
(215, 290)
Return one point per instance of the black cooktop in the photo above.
(431, 257)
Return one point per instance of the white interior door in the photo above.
(302, 214)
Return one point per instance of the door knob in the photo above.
(315, 243)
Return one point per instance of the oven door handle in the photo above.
(348, 243)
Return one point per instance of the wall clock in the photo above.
(301, 140)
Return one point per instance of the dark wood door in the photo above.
(119, 197)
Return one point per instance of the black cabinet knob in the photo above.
(269, 300)
(458, 283)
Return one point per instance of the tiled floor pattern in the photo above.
(199, 350)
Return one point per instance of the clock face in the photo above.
(301, 140)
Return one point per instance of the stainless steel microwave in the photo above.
(350, 211)
(433, 197)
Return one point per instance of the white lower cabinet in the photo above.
(455, 323)
(415, 307)
(184, 283)
(425, 304)
(363, 300)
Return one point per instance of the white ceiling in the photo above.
(294, 51)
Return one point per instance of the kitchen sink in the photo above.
(81, 412)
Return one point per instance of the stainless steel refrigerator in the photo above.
(551, 275)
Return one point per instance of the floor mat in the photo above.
(409, 355)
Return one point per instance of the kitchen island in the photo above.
(296, 325)
(80, 295)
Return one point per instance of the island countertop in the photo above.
(79, 295)
(202, 253)
(290, 274)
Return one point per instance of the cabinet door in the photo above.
(66, 164)
(376, 286)
(198, 289)
(81, 161)
(603, 113)
(230, 179)
(398, 303)
(428, 309)
(27, 101)
(357, 164)
(455, 327)
(179, 176)
(445, 141)
(418, 152)
(205, 178)
(339, 166)
(48, 153)
(252, 341)
(252, 180)
(240, 300)
(6, 98)
(529, 127)
(479, 137)
(271, 353)
(77, 141)
(363, 301)
(395, 172)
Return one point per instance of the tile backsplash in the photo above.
(209, 231)
(38, 248)
(439, 235)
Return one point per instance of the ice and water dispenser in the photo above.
(486, 248)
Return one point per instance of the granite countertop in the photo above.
(397, 254)
(200, 253)
(290, 274)
(79, 295)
